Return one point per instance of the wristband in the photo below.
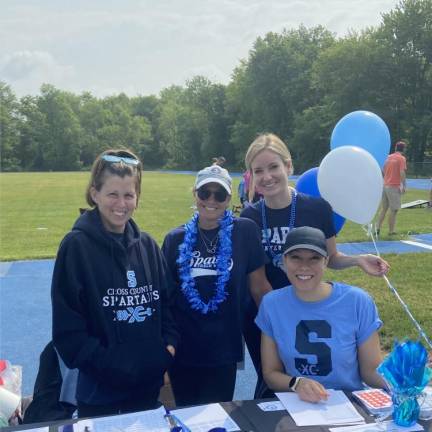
(294, 381)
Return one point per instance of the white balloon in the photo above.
(350, 179)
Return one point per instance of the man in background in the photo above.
(394, 186)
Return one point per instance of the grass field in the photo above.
(38, 209)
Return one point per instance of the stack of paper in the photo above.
(337, 410)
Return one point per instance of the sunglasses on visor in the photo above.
(124, 159)
(204, 194)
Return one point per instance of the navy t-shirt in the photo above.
(214, 338)
(310, 211)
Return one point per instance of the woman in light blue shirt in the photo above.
(317, 335)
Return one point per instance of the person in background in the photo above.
(281, 209)
(329, 339)
(394, 186)
(214, 258)
(247, 191)
(110, 297)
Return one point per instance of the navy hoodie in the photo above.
(111, 320)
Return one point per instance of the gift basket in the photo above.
(406, 372)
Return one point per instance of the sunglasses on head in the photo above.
(204, 194)
(124, 159)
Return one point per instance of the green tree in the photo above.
(148, 107)
(9, 129)
(121, 128)
(179, 135)
(310, 142)
(206, 102)
(406, 32)
(60, 140)
(275, 83)
(33, 128)
(352, 74)
(92, 117)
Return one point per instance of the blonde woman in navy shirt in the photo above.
(281, 209)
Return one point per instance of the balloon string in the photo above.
(371, 231)
(417, 325)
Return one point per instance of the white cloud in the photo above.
(143, 46)
(27, 70)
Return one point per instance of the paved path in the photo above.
(25, 309)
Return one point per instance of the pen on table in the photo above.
(175, 423)
(169, 419)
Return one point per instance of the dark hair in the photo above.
(220, 160)
(102, 168)
(400, 146)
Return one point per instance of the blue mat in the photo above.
(384, 247)
(423, 238)
(25, 315)
(423, 184)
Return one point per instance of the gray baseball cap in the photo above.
(306, 238)
(214, 174)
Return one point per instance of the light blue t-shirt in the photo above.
(319, 340)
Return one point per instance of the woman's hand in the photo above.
(373, 265)
(309, 390)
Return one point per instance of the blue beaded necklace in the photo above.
(223, 258)
(277, 258)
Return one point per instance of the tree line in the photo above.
(297, 84)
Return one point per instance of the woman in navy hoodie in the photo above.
(111, 317)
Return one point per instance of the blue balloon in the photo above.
(307, 183)
(363, 129)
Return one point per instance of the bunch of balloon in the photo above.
(307, 183)
(349, 177)
(365, 130)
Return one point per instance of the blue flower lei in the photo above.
(223, 258)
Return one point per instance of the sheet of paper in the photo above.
(204, 417)
(387, 426)
(144, 421)
(336, 410)
(272, 406)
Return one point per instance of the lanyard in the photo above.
(277, 258)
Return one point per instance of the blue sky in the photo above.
(143, 46)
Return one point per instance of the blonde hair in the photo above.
(268, 141)
(102, 168)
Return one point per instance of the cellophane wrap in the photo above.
(406, 374)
